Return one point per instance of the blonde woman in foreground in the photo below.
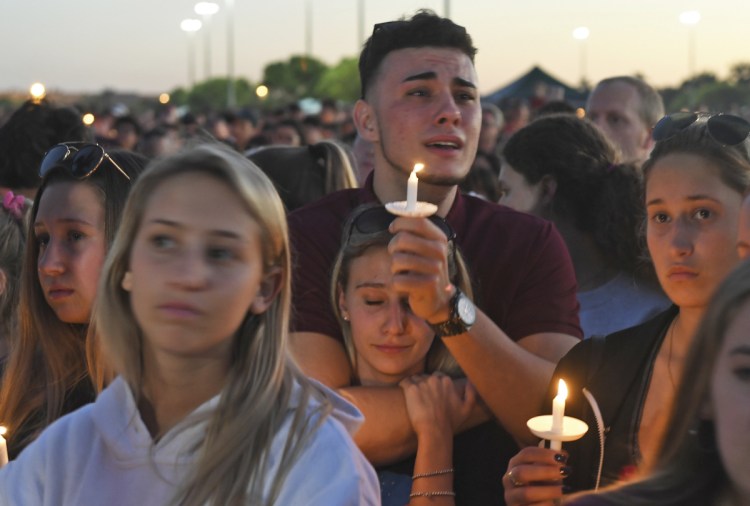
(193, 311)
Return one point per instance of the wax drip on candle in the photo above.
(558, 413)
(411, 188)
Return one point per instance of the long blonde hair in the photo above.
(235, 454)
(354, 246)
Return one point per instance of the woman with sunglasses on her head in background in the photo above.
(208, 408)
(73, 221)
(388, 345)
(695, 179)
(564, 169)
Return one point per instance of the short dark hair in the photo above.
(424, 29)
(28, 134)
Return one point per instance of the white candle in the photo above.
(558, 413)
(411, 188)
(3, 447)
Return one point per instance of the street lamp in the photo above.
(37, 92)
(582, 33)
(308, 28)
(206, 9)
(190, 26)
(690, 19)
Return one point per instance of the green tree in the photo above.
(295, 78)
(212, 95)
(341, 81)
(740, 74)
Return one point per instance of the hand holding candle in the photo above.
(3, 448)
(411, 188)
(558, 413)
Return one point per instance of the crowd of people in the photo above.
(226, 310)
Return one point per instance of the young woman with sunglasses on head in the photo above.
(695, 179)
(389, 345)
(72, 223)
(193, 312)
(706, 459)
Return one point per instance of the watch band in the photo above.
(454, 325)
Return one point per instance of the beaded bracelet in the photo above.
(432, 473)
(435, 493)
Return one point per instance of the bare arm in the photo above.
(512, 378)
(387, 435)
(432, 402)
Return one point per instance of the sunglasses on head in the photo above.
(726, 129)
(80, 158)
(378, 219)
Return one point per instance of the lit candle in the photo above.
(558, 413)
(3, 447)
(411, 188)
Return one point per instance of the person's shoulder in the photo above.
(647, 330)
(330, 205)
(479, 208)
(331, 469)
(499, 223)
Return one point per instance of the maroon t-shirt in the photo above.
(521, 271)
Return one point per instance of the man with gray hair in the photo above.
(626, 109)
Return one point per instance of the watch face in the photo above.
(466, 310)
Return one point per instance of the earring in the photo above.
(127, 281)
(345, 316)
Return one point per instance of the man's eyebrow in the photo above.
(464, 83)
(424, 76)
(421, 77)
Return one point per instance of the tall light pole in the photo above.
(190, 26)
(206, 10)
(360, 24)
(582, 34)
(308, 28)
(690, 19)
(231, 92)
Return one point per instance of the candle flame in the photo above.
(3, 430)
(418, 167)
(562, 390)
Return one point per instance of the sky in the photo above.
(138, 46)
